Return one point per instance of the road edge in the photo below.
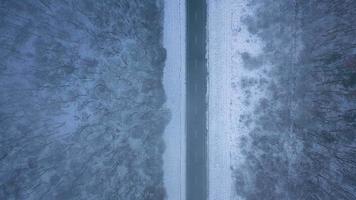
(174, 160)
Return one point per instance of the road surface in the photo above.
(196, 104)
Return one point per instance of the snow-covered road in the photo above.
(272, 101)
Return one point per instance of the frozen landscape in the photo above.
(82, 110)
(282, 99)
(178, 100)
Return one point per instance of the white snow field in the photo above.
(228, 38)
(174, 85)
(219, 124)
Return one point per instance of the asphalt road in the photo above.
(196, 102)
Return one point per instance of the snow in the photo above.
(243, 42)
(219, 90)
(80, 102)
(174, 85)
(227, 40)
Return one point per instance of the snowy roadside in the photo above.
(174, 85)
(228, 40)
(219, 123)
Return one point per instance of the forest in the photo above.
(81, 99)
(301, 142)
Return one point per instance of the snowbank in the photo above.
(174, 85)
(219, 90)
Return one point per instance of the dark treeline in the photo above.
(81, 98)
(302, 140)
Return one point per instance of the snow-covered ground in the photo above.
(228, 39)
(174, 85)
(219, 97)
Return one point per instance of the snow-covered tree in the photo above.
(81, 99)
(302, 139)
